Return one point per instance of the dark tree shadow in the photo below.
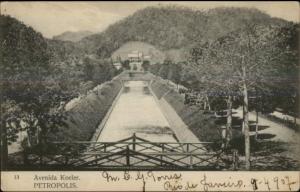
(260, 127)
(265, 136)
(126, 89)
(146, 91)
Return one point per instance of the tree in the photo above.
(257, 56)
(125, 64)
(216, 83)
(28, 100)
(146, 65)
(164, 69)
(244, 61)
(174, 73)
(134, 67)
(88, 69)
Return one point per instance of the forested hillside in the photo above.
(172, 27)
(28, 56)
(38, 76)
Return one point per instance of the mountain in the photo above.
(72, 36)
(28, 57)
(173, 27)
(22, 49)
(170, 30)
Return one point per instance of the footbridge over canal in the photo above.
(135, 153)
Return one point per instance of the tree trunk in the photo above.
(37, 136)
(25, 157)
(229, 121)
(4, 147)
(256, 125)
(246, 122)
(208, 105)
(243, 122)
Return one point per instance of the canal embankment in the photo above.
(181, 130)
(109, 113)
(106, 117)
(189, 122)
(84, 117)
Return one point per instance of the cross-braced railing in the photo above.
(137, 153)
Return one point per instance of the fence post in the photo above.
(162, 151)
(96, 157)
(191, 161)
(66, 159)
(105, 146)
(134, 140)
(235, 159)
(224, 134)
(127, 156)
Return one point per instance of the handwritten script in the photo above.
(176, 181)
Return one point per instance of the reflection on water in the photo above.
(136, 111)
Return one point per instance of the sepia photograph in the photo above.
(158, 86)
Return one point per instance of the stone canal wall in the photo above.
(181, 130)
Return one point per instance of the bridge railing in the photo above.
(140, 145)
(135, 152)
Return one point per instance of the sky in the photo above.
(54, 18)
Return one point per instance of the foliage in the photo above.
(125, 64)
(171, 27)
(29, 99)
(251, 66)
(146, 65)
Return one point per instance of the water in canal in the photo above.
(136, 111)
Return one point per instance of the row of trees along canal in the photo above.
(255, 67)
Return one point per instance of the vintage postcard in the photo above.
(149, 96)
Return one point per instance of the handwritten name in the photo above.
(223, 184)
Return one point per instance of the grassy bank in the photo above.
(84, 117)
(202, 125)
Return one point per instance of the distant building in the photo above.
(135, 56)
(147, 57)
(136, 59)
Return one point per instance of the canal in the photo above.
(136, 111)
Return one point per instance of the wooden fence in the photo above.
(138, 153)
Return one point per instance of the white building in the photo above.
(135, 60)
(117, 65)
